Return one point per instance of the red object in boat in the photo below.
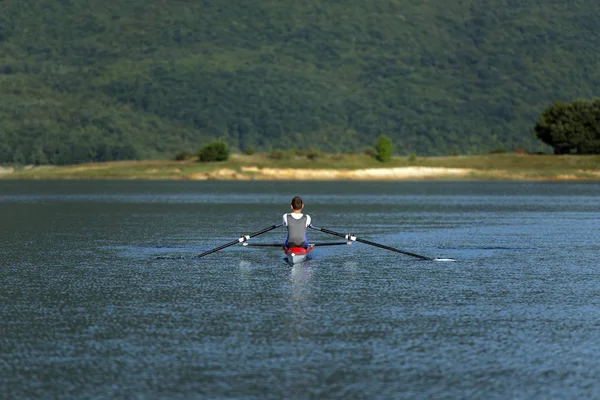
(296, 254)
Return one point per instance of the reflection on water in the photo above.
(300, 276)
(351, 266)
(301, 302)
(301, 272)
(245, 266)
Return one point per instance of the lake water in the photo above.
(100, 296)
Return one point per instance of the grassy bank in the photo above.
(329, 166)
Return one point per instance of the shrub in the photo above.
(215, 151)
(520, 150)
(249, 151)
(282, 154)
(499, 150)
(370, 152)
(183, 155)
(384, 149)
(314, 154)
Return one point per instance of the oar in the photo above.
(240, 240)
(354, 238)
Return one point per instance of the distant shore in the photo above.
(330, 167)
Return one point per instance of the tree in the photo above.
(384, 149)
(571, 127)
(215, 151)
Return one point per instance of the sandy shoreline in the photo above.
(383, 174)
(489, 169)
(403, 173)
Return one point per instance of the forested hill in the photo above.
(113, 79)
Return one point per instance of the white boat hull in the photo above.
(296, 258)
(296, 255)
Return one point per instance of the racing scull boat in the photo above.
(296, 255)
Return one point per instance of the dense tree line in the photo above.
(100, 80)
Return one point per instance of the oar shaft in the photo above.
(330, 232)
(240, 240)
(220, 247)
(354, 238)
(408, 253)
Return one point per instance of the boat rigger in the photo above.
(295, 255)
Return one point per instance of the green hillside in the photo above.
(103, 80)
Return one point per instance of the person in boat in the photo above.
(297, 224)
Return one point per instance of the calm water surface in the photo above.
(100, 296)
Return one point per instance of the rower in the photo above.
(296, 223)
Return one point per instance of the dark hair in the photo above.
(297, 203)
